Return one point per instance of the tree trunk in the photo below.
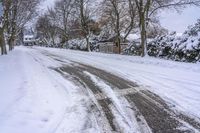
(143, 34)
(53, 42)
(84, 24)
(2, 42)
(13, 28)
(118, 43)
(11, 43)
(88, 44)
(118, 33)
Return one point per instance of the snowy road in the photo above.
(65, 91)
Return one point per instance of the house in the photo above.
(109, 46)
(29, 40)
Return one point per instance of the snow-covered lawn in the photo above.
(178, 83)
(34, 99)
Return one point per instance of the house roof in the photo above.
(112, 39)
(28, 36)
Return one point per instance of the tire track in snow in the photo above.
(155, 111)
(108, 103)
(81, 80)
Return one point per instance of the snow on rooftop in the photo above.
(28, 36)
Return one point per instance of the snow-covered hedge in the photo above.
(79, 44)
(184, 48)
(134, 48)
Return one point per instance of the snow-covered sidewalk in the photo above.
(178, 83)
(35, 99)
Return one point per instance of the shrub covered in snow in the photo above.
(79, 44)
(134, 48)
(184, 48)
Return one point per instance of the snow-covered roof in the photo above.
(28, 36)
(132, 37)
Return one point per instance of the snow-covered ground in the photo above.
(36, 99)
(178, 83)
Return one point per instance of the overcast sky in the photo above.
(179, 22)
(46, 4)
(171, 20)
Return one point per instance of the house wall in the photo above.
(109, 47)
(29, 40)
(106, 47)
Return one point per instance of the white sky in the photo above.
(46, 4)
(174, 21)
(171, 20)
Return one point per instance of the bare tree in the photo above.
(23, 12)
(115, 16)
(84, 16)
(133, 18)
(46, 27)
(120, 15)
(143, 7)
(11, 24)
(16, 14)
(6, 8)
(64, 10)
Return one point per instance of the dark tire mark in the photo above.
(105, 106)
(157, 113)
(85, 81)
(165, 116)
(158, 119)
(118, 82)
(177, 114)
(78, 73)
(189, 120)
